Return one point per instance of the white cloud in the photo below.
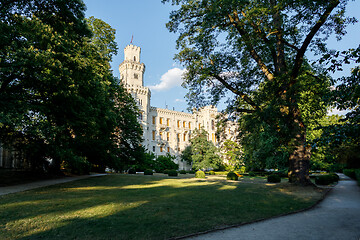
(334, 111)
(180, 100)
(170, 79)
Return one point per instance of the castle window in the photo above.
(178, 137)
(212, 125)
(168, 149)
(185, 136)
(153, 120)
(153, 135)
(168, 136)
(136, 76)
(178, 123)
(168, 122)
(161, 120)
(140, 116)
(134, 58)
(153, 148)
(161, 137)
(213, 137)
(161, 149)
(199, 126)
(184, 124)
(189, 124)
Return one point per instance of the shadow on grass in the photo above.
(141, 207)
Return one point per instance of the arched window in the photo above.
(134, 58)
(212, 125)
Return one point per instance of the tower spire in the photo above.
(132, 37)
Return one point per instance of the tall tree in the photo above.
(256, 51)
(201, 153)
(58, 98)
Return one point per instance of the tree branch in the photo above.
(245, 97)
(308, 39)
(236, 23)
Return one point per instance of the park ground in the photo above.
(146, 207)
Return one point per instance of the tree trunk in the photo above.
(299, 159)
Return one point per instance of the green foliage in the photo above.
(232, 176)
(212, 173)
(186, 155)
(148, 172)
(325, 179)
(58, 97)
(254, 51)
(145, 160)
(357, 176)
(274, 178)
(203, 153)
(172, 173)
(131, 171)
(199, 174)
(350, 173)
(182, 172)
(232, 153)
(192, 171)
(165, 162)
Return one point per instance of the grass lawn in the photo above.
(144, 207)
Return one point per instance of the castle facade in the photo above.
(165, 131)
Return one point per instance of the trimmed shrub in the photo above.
(200, 174)
(132, 171)
(166, 171)
(172, 173)
(350, 173)
(182, 172)
(335, 177)
(148, 172)
(211, 173)
(232, 176)
(192, 171)
(324, 179)
(252, 174)
(274, 178)
(357, 175)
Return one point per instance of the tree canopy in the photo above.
(201, 153)
(58, 97)
(254, 52)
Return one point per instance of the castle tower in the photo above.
(132, 77)
(131, 70)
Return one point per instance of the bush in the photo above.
(172, 173)
(212, 173)
(162, 163)
(350, 173)
(335, 177)
(274, 178)
(182, 172)
(132, 171)
(166, 171)
(357, 175)
(252, 174)
(324, 179)
(148, 172)
(232, 176)
(200, 174)
(192, 171)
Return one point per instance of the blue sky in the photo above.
(146, 19)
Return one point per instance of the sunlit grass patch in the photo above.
(143, 207)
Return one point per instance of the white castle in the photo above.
(165, 131)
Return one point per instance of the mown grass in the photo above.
(143, 207)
